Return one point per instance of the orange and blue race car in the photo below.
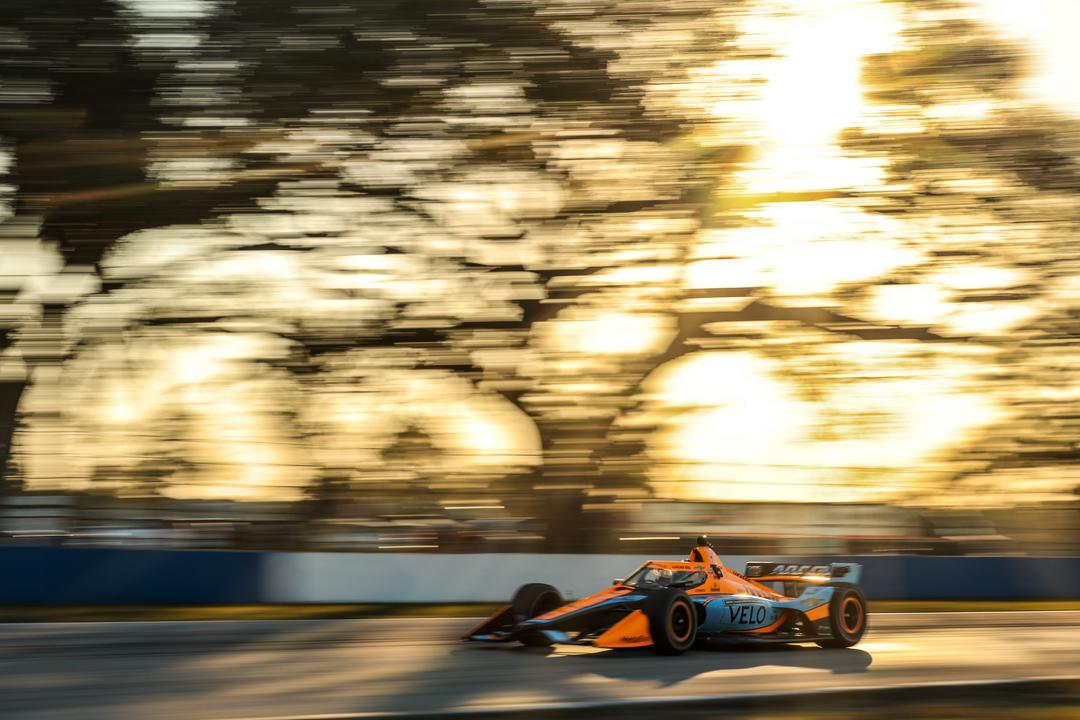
(671, 606)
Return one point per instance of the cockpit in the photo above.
(651, 576)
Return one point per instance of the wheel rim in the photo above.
(680, 622)
(851, 615)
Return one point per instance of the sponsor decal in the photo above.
(746, 613)
(634, 638)
(800, 570)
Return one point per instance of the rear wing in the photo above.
(805, 572)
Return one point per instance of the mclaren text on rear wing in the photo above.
(805, 571)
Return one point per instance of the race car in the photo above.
(671, 606)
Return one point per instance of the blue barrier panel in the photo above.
(929, 577)
(46, 575)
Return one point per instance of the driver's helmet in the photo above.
(662, 576)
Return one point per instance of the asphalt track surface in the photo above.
(357, 668)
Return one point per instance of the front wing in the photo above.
(610, 622)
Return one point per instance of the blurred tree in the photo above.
(990, 157)
(534, 137)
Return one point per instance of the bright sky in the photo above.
(1048, 28)
(812, 91)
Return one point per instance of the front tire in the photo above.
(672, 622)
(847, 618)
(533, 600)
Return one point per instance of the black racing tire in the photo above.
(672, 621)
(532, 600)
(848, 618)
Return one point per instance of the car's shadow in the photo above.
(644, 664)
(631, 665)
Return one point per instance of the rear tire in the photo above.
(672, 621)
(533, 600)
(847, 618)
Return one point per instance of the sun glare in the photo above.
(741, 431)
(812, 91)
(1048, 29)
(801, 249)
(613, 333)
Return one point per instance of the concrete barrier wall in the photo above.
(337, 577)
(46, 575)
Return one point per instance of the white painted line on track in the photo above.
(658, 701)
